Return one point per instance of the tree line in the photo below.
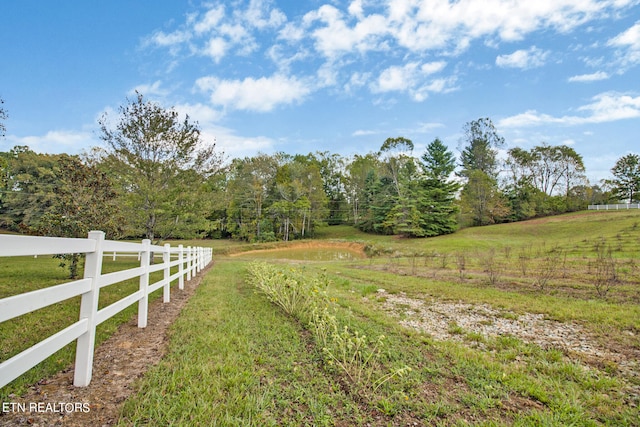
(155, 177)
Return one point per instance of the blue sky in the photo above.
(341, 76)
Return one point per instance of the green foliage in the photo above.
(84, 200)
(437, 191)
(626, 180)
(57, 195)
(482, 202)
(400, 195)
(288, 288)
(480, 143)
(545, 180)
(273, 197)
(171, 185)
(160, 164)
(29, 181)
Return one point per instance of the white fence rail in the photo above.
(189, 260)
(614, 207)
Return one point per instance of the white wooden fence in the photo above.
(614, 207)
(189, 261)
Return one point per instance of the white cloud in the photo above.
(433, 67)
(629, 38)
(356, 9)
(336, 37)
(443, 85)
(411, 78)
(396, 78)
(357, 80)
(600, 75)
(612, 106)
(436, 24)
(262, 95)
(628, 43)
(203, 114)
(291, 32)
(149, 90)
(528, 118)
(260, 16)
(163, 39)
(525, 59)
(57, 141)
(210, 20)
(362, 132)
(236, 146)
(606, 107)
(216, 48)
(284, 59)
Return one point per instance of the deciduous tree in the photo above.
(83, 200)
(159, 161)
(482, 203)
(626, 180)
(479, 148)
(29, 180)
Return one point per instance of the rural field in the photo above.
(535, 323)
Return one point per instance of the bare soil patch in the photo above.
(118, 362)
(355, 247)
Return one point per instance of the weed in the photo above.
(523, 262)
(304, 297)
(492, 266)
(461, 262)
(507, 252)
(444, 260)
(547, 270)
(605, 269)
(455, 329)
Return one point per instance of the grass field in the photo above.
(235, 358)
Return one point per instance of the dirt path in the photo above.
(118, 362)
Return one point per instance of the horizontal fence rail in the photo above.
(188, 260)
(614, 207)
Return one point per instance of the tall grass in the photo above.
(304, 296)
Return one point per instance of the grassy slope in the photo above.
(236, 360)
(567, 230)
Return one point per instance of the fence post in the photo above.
(189, 262)
(181, 267)
(166, 258)
(88, 310)
(143, 303)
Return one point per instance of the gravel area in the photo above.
(443, 320)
